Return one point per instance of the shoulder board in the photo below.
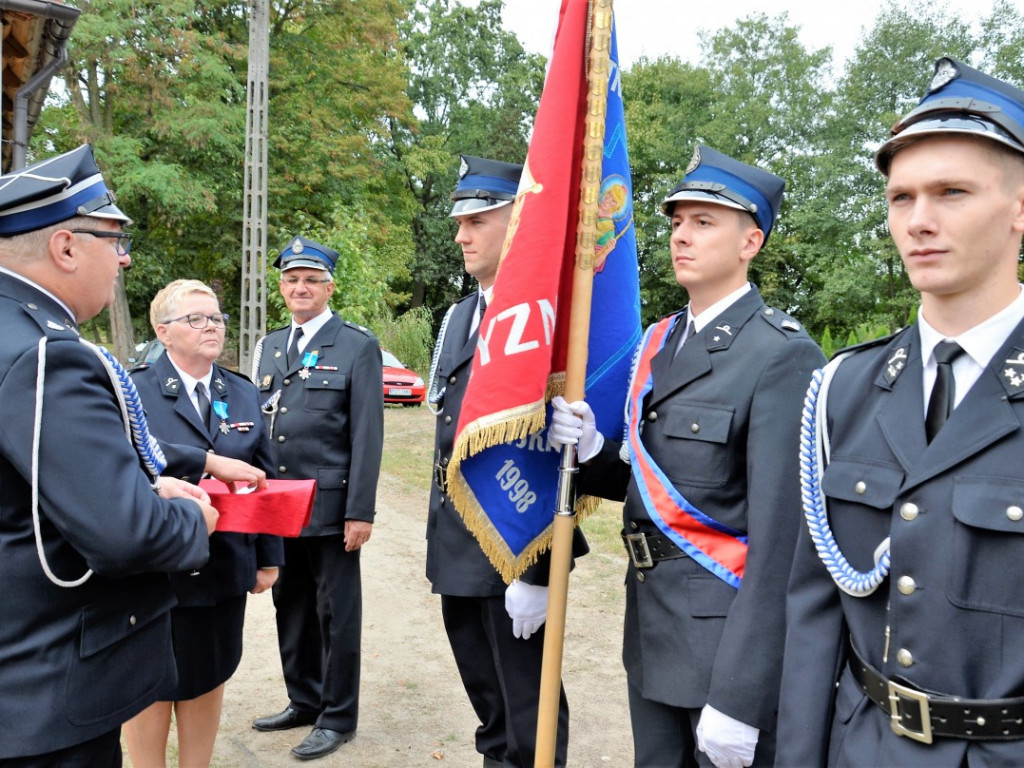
(139, 367)
(282, 328)
(361, 328)
(781, 320)
(882, 341)
(467, 297)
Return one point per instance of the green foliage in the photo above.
(408, 336)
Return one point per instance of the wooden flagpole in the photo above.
(598, 56)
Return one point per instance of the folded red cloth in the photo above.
(282, 508)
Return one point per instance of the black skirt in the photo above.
(207, 645)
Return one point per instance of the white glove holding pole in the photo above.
(726, 741)
(573, 424)
(527, 606)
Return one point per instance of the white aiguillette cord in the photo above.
(136, 432)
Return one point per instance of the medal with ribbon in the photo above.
(221, 409)
(308, 361)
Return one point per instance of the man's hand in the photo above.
(173, 488)
(357, 533)
(265, 578)
(527, 606)
(727, 742)
(231, 471)
(573, 424)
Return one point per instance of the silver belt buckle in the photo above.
(639, 552)
(896, 721)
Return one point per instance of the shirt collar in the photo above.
(311, 327)
(704, 318)
(190, 381)
(980, 342)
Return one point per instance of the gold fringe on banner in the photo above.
(497, 429)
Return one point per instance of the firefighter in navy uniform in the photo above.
(905, 610)
(85, 629)
(495, 630)
(324, 407)
(713, 436)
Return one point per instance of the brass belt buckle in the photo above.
(440, 478)
(896, 691)
(639, 552)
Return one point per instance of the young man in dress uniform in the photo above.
(711, 516)
(495, 631)
(85, 520)
(906, 615)
(321, 377)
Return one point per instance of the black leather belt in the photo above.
(921, 716)
(646, 549)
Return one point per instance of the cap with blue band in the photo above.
(484, 185)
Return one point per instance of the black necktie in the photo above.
(293, 348)
(943, 397)
(691, 331)
(204, 403)
(482, 306)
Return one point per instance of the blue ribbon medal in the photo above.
(308, 361)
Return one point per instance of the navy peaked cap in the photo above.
(303, 252)
(484, 184)
(960, 100)
(55, 190)
(717, 178)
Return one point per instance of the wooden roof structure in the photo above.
(33, 49)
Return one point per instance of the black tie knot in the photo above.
(947, 351)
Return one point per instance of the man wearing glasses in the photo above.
(86, 522)
(320, 378)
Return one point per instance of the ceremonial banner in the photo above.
(283, 508)
(503, 476)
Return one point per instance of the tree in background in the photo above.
(475, 92)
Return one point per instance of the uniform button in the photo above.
(186, 479)
(640, 576)
(652, 416)
(1014, 513)
(447, 419)
(284, 409)
(286, 382)
(909, 511)
(31, 306)
(769, 312)
(860, 487)
(282, 468)
(281, 438)
(906, 585)
(695, 427)
(904, 657)
(132, 620)
(325, 382)
(452, 380)
(209, 450)
(633, 525)
(444, 462)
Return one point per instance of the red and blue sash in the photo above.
(716, 547)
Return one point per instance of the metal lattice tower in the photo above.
(254, 235)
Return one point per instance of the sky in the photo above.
(655, 28)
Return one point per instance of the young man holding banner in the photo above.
(496, 631)
(709, 475)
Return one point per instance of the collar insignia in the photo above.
(895, 364)
(1013, 373)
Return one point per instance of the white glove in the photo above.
(573, 424)
(527, 606)
(728, 742)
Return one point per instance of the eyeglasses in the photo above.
(124, 239)
(200, 321)
(309, 282)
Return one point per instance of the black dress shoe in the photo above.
(320, 742)
(282, 721)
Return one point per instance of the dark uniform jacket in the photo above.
(952, 601)
(329, 426)
(174, 421)
(722, 421)
(76, 662)
(456, 565)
